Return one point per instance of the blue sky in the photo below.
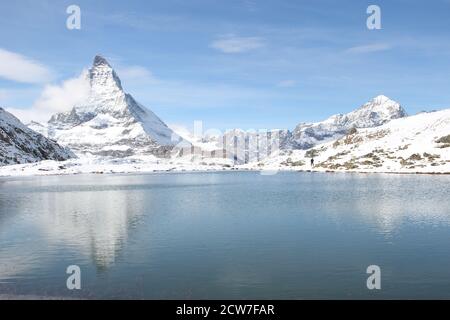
(235, 63)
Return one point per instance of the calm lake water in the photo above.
(226, 235)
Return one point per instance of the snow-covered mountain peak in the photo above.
(100, 61)
(110, 121)
(376, 112)
(384, 106)
(103, 78)
(381, 99)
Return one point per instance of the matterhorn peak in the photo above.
(103, 77)
(100, 61)
(109, 121)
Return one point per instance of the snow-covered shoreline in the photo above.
(70, 167)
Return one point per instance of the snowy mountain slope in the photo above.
(376, 112)
(419, 143)
(109, 122)
(19, 144)
(247, 146)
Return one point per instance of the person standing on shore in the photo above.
(312, 162)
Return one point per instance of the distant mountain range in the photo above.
(111, 124)
(376, 112)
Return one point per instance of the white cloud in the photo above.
(369, 48)
(58, 98)
(287, 83)
(233, 44)
(54, 99)
(19, 68)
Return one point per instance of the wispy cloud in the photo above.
(234, 44)
(16, 67)
(287, 83)
(374, 47)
